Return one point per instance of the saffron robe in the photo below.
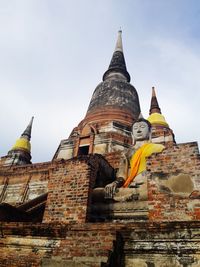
(138, 160)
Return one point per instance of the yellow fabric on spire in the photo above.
(22, 143)
(157, 118)
(138, 160)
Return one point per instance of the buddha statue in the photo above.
(131, 181)
(131, 176)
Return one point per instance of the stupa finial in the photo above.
(117, 67)
(154, 107)
(119, 46)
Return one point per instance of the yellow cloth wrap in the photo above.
(157, 118)
(138, 160)
(22, 143)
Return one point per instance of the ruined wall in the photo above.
(65, 239)
(172, 244)
(68, 189)
(23, 183)
(174, 184)
(101, 138)
(114, 159)
(56, 245)
(136, 244)
(69, 185)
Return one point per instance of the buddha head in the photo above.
(141, 129)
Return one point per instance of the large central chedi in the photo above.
(119, 191)
(115, 97)
(112, 110)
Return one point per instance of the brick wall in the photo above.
(163, 244)
(164, 205)
(100, 244)
(68, 190)
(21, 183)
(33, 245)
(114, 158)
(70, 187)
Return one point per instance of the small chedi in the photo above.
(119, 191)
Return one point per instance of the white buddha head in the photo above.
(141, 130)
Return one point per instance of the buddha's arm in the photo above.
(122, 172)
(121, 176)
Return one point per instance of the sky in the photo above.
(53, 54)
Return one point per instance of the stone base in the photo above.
(119, 211)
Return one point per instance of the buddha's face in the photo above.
(140, 131)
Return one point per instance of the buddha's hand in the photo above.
(111, 188)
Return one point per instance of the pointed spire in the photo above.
(119, 46)
(27, 133)
(117, 67)
(20, 153)
(155, 115)
(23, 143)
(154, 108)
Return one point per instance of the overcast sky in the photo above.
(53, 54)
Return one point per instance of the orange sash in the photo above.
(138, 160)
